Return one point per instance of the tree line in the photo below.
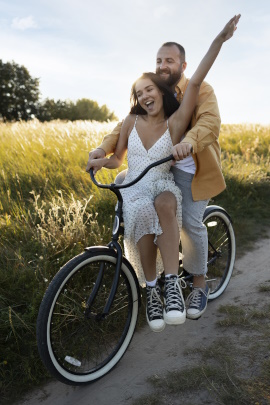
(20, 100)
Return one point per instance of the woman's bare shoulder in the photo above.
(130, 119)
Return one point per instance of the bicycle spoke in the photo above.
(220, 250)
(89, 341)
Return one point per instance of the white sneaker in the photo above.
(174, 312)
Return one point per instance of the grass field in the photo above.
(49, 211)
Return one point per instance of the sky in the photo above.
(96, 49)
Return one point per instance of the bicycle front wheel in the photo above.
(221, 249)
(79, 349)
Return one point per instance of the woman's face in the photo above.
(149, 96)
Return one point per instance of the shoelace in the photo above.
(173, 293)
(154, 303)
(194, 298)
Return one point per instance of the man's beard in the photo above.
(172, 79)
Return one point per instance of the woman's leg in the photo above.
(168, 241)
(154, 306)
(148, 256)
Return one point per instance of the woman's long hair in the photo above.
(170, 104)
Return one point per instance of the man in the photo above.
(197, 171)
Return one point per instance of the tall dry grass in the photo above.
(246, 167)
(49, 211)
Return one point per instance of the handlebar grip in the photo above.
(96, 182)
(92, 175)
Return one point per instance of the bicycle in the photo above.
(89, 312)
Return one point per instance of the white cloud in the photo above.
(23, 23)
(96, 49)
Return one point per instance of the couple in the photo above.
(155, 207)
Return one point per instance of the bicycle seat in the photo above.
(120, 177)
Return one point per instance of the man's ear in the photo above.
(184, 65)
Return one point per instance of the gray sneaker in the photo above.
(196, 302)
(154, 309)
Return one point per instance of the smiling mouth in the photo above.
(163, 72)
(165, 76)
(149, 104)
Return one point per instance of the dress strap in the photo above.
(167, 124)
(135, 121)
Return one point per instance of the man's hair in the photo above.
(180, 47)
(170, 104)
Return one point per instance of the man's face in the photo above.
(169, 65)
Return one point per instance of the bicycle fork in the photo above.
(114, 244)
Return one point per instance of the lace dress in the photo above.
(140, 217)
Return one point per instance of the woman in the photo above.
(154, 125)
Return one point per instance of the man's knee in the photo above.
(193, 225)
(193, 216)
(165, 203)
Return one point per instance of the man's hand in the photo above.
(181, 150)
(95, 164)
(95, 154)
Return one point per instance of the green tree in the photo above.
(53, 110)
(19, 92)
(86, 109)
(83, 109)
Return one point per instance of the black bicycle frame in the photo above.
(114, 244)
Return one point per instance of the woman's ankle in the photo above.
(151, 283)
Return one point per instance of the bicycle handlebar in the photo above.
(143, 173)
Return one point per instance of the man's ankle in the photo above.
(199, 282)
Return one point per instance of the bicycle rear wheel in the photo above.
(79, 349)
(221, 249)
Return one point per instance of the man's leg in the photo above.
(194, 243)
(193, 233)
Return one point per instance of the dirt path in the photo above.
(151, 353)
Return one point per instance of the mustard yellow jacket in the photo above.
(208, 180)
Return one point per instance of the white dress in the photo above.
(140, 217)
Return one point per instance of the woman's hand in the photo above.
(229, 28)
